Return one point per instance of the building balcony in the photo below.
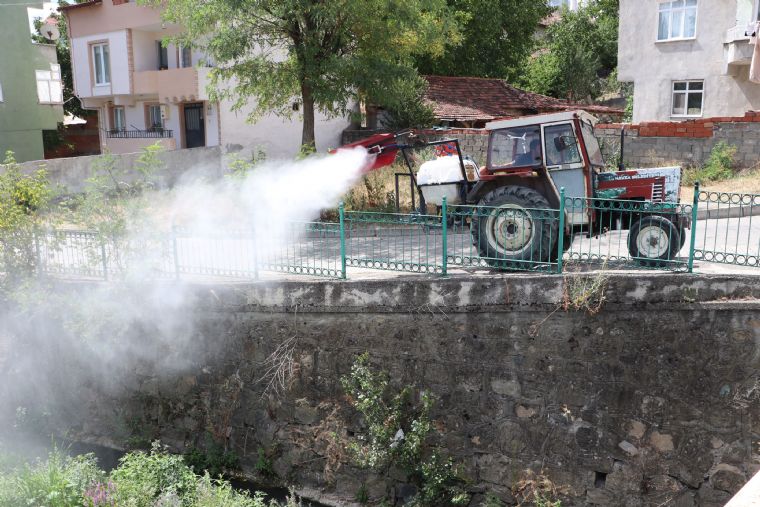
(131, 141)
(139, 134)
(737, 50)
(173, 85)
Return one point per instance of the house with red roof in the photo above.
(471, 102)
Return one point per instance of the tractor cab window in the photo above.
(515, 147)
(561, 145)
(592, 145)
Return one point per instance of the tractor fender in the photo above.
(538, 181)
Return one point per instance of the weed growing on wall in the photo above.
(535, 490)
(239, 167)
(398, 432)
(584, 293)
(214, 459)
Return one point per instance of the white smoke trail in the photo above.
(110, 337)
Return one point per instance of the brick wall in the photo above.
(686, 143)
(473, 142)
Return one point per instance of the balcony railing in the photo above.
(139, 134)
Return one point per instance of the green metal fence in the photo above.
(304, 248)
(715, 227)
(504, 237)
(728, 230)
(620, 234)
(395, 241)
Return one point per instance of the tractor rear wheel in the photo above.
(514, 227)
(653, 241)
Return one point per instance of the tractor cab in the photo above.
(562, 150)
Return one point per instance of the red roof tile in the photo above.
(472, 99)
(77, 6)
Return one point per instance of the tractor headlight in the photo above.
(471, 171)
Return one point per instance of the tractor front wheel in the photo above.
(653, 241)
(514, 227)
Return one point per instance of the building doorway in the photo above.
(195, 128)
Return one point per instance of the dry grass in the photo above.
(745, 182)
(376, 191)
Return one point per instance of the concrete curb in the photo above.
(730, 212)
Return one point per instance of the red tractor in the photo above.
(517, 192)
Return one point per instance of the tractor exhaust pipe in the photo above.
(621, 165)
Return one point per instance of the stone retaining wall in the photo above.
(651, 401)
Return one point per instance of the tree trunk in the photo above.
(308, 143)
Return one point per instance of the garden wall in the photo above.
(648, 144)
(71, 174)
(651, 401)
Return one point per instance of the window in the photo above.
(688, 97)
(163, 56)
(561, 145)
(49, 87)
(119, 121)
(592, 145)
(186, 57)
(559, 3)
(101, 64)
(153, 117)
(678, 20)
(515, 147)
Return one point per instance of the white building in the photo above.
(570, 4)
(146, 93)
(688, 58)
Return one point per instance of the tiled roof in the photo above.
(472, 99)
(77, 6)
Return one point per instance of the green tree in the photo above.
(498, 36)
(578, 52)
(311, 54)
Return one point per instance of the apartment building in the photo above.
(31, 93)
(688, 58)
(146, 92)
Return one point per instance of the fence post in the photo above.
(444, 235)
(694, 208)
(38, 252)
(255, 250)
(175, 253)
(561, 230)
(104, 258)
(341, 214)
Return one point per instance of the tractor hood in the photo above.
(656, 184)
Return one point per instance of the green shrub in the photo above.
(264, 465)
(59, 481)
(214, 460)
(24, 199)
(719, 166)
(397, 434)
(143, 477)
(217, 493)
